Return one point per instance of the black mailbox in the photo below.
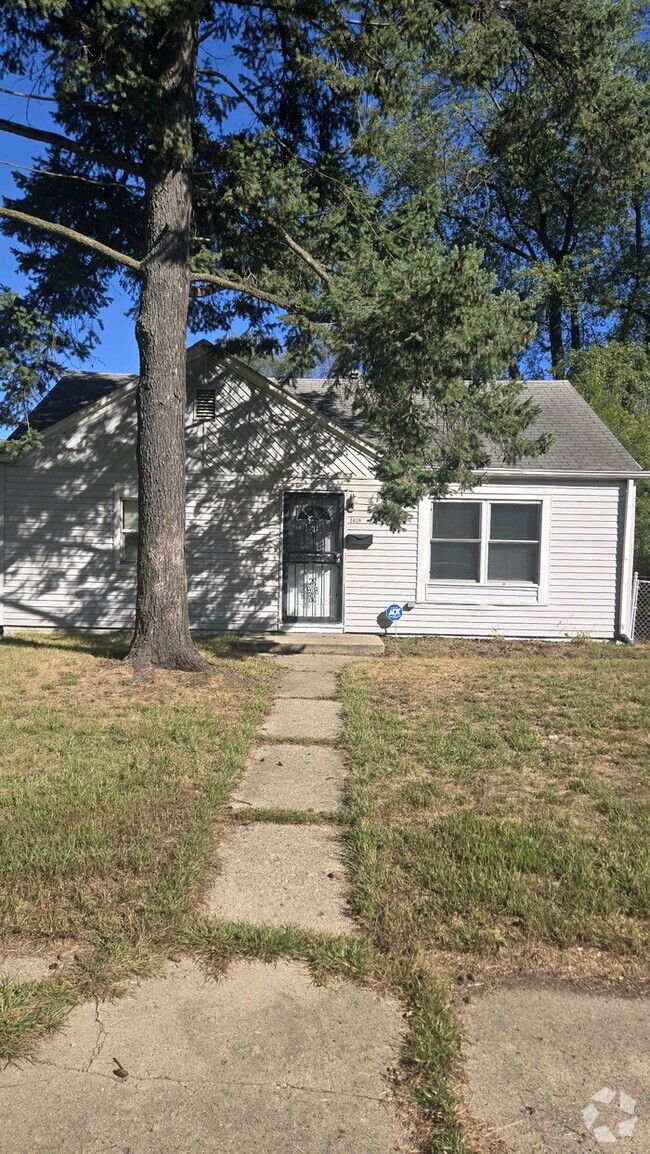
(358, 540)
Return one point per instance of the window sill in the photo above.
(510, 593)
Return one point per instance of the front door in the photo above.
(312, 550)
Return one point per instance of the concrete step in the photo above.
(352, 644)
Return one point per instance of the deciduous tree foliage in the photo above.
(547, 165)
(236, 162)
(615, 380)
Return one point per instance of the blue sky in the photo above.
(117, 351)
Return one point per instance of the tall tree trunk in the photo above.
(630, 306)
(162, 635)
(576, 336)
(556, 334)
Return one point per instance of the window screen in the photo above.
(456, 541)
(513, 547)
(483, 541)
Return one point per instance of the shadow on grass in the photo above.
(116, 645)
(113, 645)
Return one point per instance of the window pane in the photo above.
(455, 560)
(508, 562)
(130, 514)
(130, 547)
(514, 522)
(456, 519)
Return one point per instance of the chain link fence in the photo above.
(641, 609)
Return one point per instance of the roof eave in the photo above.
(78, 417)
(569, 474)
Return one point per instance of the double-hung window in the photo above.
(486, 542)
(128, 529)
(514, 542)
(456, 541)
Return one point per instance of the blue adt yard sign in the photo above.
(394, 612)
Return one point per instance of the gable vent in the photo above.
(205, 405)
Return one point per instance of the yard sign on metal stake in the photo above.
(393, 613)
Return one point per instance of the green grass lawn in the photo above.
(499, 795)
(110, 786)
(499, 825)
(497, 819)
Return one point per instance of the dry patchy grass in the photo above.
(110, 786)
(501, 796)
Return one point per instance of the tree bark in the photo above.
(555, 334)
(162, 634)
(576, 336)
(630, 306)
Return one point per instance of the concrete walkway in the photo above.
(262, 1060)
(279, 873)
(551, 1068)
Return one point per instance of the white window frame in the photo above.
(484, 592)
(120, 495)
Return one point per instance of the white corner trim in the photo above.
(627, 562)
(544, 550)
(424, 545)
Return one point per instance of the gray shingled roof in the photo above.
(582, 441)
(75, 391)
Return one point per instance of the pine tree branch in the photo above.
(28, 95)
(286, 148)
(71, 234)
(59, 141)
(221, 282)
(226, 284)
(304, 255)
(70, 176)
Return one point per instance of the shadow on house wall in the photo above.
(63, 566)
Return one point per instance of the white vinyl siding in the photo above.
(582, 548)
(60, 566)
(63, 516)
(60, 552)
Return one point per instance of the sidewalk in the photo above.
(263, 1060)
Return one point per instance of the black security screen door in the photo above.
(313, 542)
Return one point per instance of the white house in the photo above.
(280, 485)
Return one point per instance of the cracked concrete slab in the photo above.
(546, 1068)
(263, 1060)
(292, 777)
(290, 717)
(306, 683)
(281, 874)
